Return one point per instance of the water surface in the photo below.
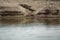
(29, 29)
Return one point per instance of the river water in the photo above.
(29, 29)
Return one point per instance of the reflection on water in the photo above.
(45, 21)
(29, 29)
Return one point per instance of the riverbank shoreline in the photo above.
(33, 17)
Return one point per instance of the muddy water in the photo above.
(29, 29)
